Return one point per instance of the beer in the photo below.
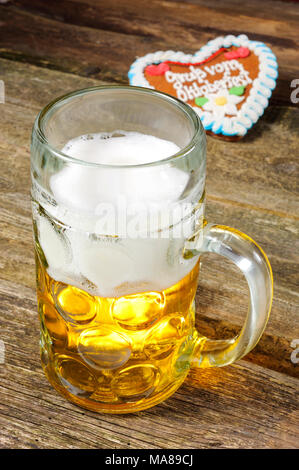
(110, 354)
(116, 310)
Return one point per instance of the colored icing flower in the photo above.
(221, 103)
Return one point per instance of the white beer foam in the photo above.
(83, 188)
(117, 266)
(120, 148)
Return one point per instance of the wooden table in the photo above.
(49, 48)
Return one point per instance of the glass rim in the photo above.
(192, 115)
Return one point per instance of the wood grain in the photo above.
(102, 39)
(50, 48)
(238, 406)
(259, 172)
(221, 285)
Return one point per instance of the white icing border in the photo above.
(259, 94)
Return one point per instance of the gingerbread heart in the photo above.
(228, 82)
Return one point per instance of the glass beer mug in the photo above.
(118, 185)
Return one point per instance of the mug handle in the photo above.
(254, 264)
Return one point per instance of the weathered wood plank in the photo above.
(238, 406)
(259, 172)
(33, 87)
(272, 9)
(102, 39)
(81, 50)
(115, 16)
